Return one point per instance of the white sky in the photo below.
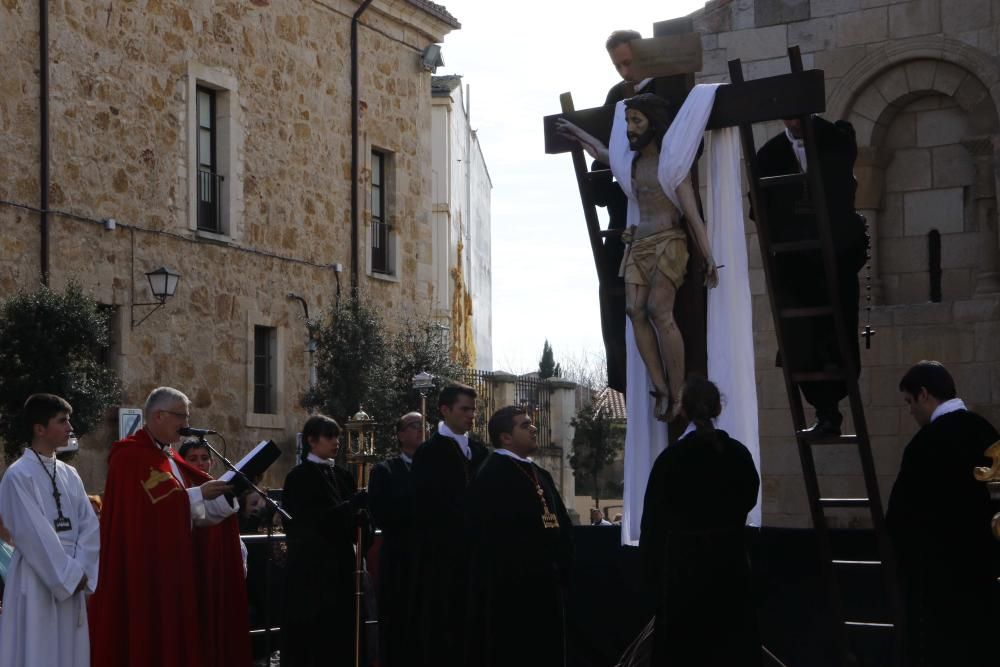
(518, 56)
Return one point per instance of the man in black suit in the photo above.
(521, 550)
(442, 469)
(390, 500)
(939, 522)
(811, 345)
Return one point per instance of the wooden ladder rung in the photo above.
(870, 624)
(844, 502)
(784, 179)
(849, 439)
(812, 311)
(794, 246)
(857, 563)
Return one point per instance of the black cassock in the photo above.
(390, 499)
(518, 568)
(318, 624)
(437, 603)
(939, 521)
(694, 554)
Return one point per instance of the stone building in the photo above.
(920, 81)
(218, 136)
(461, 206)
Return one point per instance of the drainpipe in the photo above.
(355, 116)
(43, 123)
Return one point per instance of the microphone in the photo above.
(199, 432)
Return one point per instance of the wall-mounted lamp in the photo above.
(431, 59)
(163, 285)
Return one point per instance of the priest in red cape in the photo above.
(170, 556)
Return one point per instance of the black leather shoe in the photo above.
(824, 427)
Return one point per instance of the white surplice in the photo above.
(730, 334)
(43, 621)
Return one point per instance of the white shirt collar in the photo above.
(462, 440)
(408, 460)
(507, 452)
(798, 147)
(642, 84)
(315, 459)
(951, 405)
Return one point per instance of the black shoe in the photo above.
(827, 425)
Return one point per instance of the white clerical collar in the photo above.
(315, 459)
(952, 405)
(462, 440)
(507, 452)
(798, 147)
(642, 84)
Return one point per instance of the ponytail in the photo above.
(702, 403)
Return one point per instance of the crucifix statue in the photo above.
(655, 263)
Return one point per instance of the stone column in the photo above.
(985, 152)
(562, 410)
(869, 170)
(503, 389)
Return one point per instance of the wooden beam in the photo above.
(666, 56)
(773, 98)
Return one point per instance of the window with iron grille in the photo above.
(209, 180)
(265, 370)
(382, 256)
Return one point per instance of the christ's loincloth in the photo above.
(666, 252)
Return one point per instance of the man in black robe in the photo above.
(939, 522)
(390, 499)
(442, 469)
(318, 624)
(811, 344)
(521, 553)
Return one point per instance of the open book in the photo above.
(253, 464)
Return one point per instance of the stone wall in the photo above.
(919, 80)
(122, 80)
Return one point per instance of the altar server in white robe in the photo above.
(56, 541)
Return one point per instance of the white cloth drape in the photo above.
(730, 334)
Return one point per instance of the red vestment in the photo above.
(168, 594)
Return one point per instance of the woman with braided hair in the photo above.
(692, 541)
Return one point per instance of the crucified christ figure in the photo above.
(656, 260)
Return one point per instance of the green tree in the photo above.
(53, 342)
(359, 363)
(597, 441)
(547, 366)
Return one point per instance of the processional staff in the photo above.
(360, 452)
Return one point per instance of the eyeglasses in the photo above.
(182, 415)
(411, 425)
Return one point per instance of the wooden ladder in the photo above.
(836, 570)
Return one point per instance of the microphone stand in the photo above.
(275, 507)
